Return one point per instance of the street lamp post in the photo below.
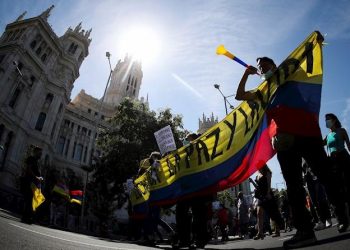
(217, 86)
(89, 169)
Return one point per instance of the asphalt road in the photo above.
(16, 235)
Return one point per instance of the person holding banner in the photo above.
(295, 135)
(191, 217)
(31, 176)
(339, 157)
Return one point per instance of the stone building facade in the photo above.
(37, 74)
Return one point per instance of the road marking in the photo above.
(73, 241)
(286, 238)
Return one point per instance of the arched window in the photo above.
(5, 151)
(33, 44)
(2, 129)
(46, 54)
(15, 96)
(48, 100)
(41, 47)
(43, 57)
(40, 122)
(38, 51)
(74, 49)
(32, 81)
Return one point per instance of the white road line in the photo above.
(73, 241)
(286, 238)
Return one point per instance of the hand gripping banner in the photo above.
(240, 144)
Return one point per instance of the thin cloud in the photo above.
(183, 82)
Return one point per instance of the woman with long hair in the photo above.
(335, 141)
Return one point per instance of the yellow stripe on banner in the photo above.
(75, 201)
(229, 136)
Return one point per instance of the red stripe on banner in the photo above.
(295, 121)
(76, 192)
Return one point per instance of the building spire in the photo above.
(77, 28)
(20, 17)
(87, 34)
(46, 13)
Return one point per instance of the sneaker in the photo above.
(342, 228)
(328, 223)
(276, 234)
(300, 239)
(319, 226)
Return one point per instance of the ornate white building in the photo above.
(37, 73)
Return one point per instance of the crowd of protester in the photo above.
(263, 213)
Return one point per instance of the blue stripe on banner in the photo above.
(299, 95)
(76, 197)
(209, 177)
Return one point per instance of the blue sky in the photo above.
(183, 74)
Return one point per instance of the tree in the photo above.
(128, 140)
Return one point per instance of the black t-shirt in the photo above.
(262, 185)
(32, 168)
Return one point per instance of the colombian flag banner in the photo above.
(61, 190)
(240, 144)
(76, 196)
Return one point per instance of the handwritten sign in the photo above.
(165, 140)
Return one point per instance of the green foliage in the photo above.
(128, 140)
(225, 198)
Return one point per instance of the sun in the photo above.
(142, 43)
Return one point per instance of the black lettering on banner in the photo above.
(215, 132)
(172, 170)
(177, 161)
(189, 150)
(200, 146)
(247, 129)
(269, 84)
(309, 57)
(278, 76)
(285, 66)
(261, 97)
(232, 127)
(142, 184)
(255, 111)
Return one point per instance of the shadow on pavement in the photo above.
(210, 248)
(8, 215)
(340, 237)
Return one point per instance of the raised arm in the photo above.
(242, 94)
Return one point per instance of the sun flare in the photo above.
(142, 43)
